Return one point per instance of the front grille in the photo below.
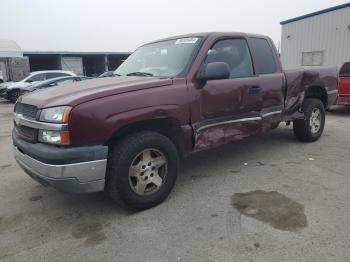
(27, 133)
(3, 91)
(28, 111)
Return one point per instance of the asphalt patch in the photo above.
(10, 222)
(91, 232)
(35, 198)
(271, 208)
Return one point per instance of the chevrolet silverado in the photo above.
(126, 134)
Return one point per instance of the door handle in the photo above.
(254, 89)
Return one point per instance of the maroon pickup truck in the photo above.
(126, 134)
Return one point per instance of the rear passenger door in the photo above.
(271, 80)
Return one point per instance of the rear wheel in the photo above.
(311, 128)
(142, 169)
(13, 95)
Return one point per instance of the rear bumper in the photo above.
(84, 175)
(344, 100)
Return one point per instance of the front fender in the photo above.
(94, 122)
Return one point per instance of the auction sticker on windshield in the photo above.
(188, 40)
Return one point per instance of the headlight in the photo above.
(54, 137)
(58, 114)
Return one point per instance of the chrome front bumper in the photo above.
(83, 177)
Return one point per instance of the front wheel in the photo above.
(311, 127)
(142, 169)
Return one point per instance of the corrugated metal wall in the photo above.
(328, 32)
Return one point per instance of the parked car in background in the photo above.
(107, 74)
(344, 85)
(58, 81)
(12, 90)
(175, 96)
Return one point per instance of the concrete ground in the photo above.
(295, 206)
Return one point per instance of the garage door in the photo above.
(74, 64)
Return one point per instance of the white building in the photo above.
(13, 66)
(10, 48)
(318, 39)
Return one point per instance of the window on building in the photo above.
(312, 58)
(265, 60)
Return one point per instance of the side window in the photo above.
(54, 75)
(37, 77)
(265, 61)
(235, 53)
(345, 70)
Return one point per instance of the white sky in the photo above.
(122, 25)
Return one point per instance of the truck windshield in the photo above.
(166, 59)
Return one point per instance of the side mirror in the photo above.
(214, 70)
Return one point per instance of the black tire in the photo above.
(303, 128)
(14, 95)
(121, 157)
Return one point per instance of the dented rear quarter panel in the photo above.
(299, 80)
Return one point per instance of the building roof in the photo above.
(315, 13)
(9, 48)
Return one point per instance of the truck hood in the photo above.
(83, 91)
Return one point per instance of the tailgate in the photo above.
(344, 86)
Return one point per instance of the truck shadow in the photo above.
(237, 153)
(340, 111)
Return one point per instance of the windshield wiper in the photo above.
(139, 74)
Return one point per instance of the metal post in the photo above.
(106, 63)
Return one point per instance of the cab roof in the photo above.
(207, 34)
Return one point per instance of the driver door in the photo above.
(229, 108)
